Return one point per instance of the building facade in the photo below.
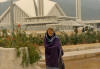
(36, 15)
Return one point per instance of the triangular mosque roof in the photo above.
(28, 6)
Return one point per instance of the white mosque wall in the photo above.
(22, 17)
(19, 16)
(5, 18)
(55, 11)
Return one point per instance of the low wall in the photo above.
(9, 60)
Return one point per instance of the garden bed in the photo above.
(13, 42)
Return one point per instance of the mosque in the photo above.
(38, 15)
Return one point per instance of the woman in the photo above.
(52, 49)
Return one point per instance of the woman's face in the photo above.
(50, 33)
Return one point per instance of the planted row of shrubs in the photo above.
(73, 39)
(83, 38)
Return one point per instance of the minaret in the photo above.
(40, 7)
(78, 10)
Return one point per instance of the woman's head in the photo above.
(50, 31)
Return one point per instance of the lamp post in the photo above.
(11, 16)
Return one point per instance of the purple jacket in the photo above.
(52, 50)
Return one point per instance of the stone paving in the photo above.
(80, 57)
(68, 48)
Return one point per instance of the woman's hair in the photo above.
(50, 29)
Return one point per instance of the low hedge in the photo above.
(83, 38)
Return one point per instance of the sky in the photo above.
(90, 8)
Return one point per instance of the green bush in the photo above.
(74, 39)
(90, 37)
(64, 38)
(33, 52)
(20, 39)
(81, 39)
(98, 36)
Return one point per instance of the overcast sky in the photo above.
(90, 8)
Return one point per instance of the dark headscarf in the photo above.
(50, 38)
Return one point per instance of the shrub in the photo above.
(81, 39)
(64, 38)
(18, 40)
(90, 37)
(98, 36)
(74, 39)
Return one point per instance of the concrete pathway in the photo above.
(84, 53)
(82, 59)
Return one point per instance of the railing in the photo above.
(41, 20)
